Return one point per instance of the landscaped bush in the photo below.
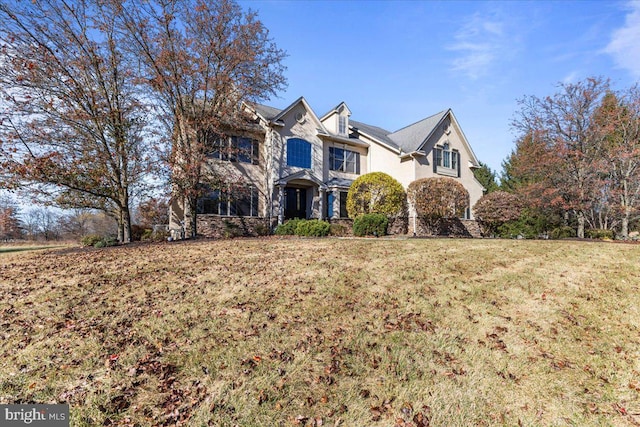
(562, 232)
(370, 225)
(376, 192)
(312, 228)
(98, 241)
(288, 228)
(436, 198)
(497, 208)
(90, 239)
(599, 233)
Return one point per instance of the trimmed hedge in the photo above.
(288, 228)
(376, 192)
(313, 228)
(370, 225)
(303, 227)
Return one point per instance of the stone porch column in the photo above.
(321, 203)
(280, 204)
(336, 204)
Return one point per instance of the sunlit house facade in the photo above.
(296, 164)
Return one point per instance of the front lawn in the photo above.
(373, 332)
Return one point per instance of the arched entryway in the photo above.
(300, 195)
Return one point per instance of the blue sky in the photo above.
(396, 62)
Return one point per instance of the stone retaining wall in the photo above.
(231, 226)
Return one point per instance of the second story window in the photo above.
(344, 160)
(298, 153)
(445, 157)
(234, 148)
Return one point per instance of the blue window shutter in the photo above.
(435, 160)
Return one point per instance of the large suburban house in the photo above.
(296, 164)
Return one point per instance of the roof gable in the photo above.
(411, 138)
(408, 139)
(335, 110)
(306, 106)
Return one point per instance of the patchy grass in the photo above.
(327, 332)
(22, 247)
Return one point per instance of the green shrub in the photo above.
(110, 241)
(599, 233)
(370, 225)
(147, 234)
(98, 241)
(288, 228)
(312, 228)
(338, 230)
(376, 192)
(531, 224)
(90, 239)
(562, 232)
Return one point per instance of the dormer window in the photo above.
(342, 125)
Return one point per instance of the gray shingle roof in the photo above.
(267, 112)
(407, 139)
(339, 182)
(410, 138)
(376, 132)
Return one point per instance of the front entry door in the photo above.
(295, 203)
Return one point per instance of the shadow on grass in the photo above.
(26, 248)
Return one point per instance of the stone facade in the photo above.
(451, 227)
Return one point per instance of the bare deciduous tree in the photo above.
(72, 127)
(201, 61)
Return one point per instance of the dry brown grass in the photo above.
(326, 332)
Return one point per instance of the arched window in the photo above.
(298, 153)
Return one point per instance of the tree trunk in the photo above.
(120, 228)
(126, 225)
(624, 232)
(126, 217)
(581, 225)
(190, 217)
